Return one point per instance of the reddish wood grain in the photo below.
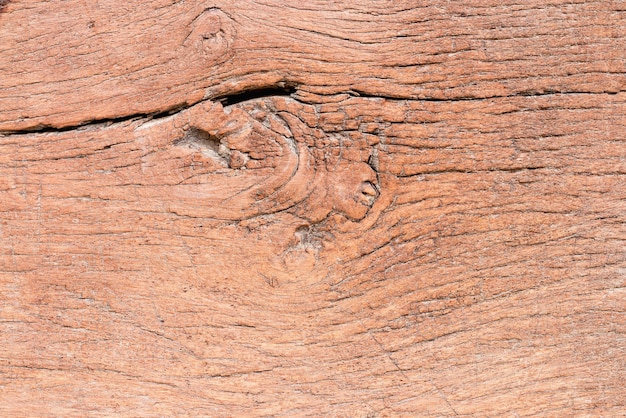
(414, 209)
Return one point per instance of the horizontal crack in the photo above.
(359, 93)
(251, 94)
(280, 89)
(43, 129)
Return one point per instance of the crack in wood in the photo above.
(281, 89)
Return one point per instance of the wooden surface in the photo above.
(361, 208)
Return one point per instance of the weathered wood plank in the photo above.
(424, 215)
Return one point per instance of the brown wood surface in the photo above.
(284, 208)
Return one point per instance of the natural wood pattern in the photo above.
(415, 210)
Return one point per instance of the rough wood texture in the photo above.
(369, 208)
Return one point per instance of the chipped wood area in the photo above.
(286, 209)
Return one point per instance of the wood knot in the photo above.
(212, 33)
(260, 160)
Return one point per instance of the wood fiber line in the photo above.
(284, 209)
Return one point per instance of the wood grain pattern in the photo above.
(283, 209)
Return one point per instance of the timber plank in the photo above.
(413, 209)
